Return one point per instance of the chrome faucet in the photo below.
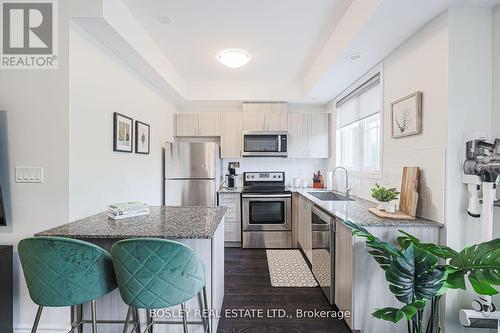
(347, 188)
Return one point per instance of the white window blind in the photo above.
(358, 128)
(359, 104)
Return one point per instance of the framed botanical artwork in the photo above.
(142, 137)
(3, 218)
(407, 115)
(122, 133)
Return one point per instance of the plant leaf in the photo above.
(389, 314)
(481, 262)
(394, 314)
(440, 251)
(382, 252)
(456, 280)
(414, 274)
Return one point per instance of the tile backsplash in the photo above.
(293, 168)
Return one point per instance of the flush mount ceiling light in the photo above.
(234, 58)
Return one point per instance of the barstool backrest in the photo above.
(63, 271)
(156, 273)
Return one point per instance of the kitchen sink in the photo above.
(329, 196)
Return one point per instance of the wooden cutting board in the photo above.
(398, 215)
(408, 199)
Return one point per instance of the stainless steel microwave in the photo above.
(264, 144)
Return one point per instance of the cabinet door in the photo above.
(232, 221)
(297, 135)
(307, 230)
(318, 135)
(209, 124)
(254, 121)
(305, 234)
(186, 124)
(296, 231)
(231, 135)
(343, 268)
(274, 121)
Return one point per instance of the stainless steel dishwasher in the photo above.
(323, 251)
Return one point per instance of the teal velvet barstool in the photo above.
(65, 272)
(156, 274)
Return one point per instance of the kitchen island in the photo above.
(201, 228)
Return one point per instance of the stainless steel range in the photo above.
(266, 210)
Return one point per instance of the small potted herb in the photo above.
(384, 196)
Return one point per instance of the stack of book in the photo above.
(127, 209)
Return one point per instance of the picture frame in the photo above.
(407, 115)
(3, 217)
(122, 133)
(142, 138)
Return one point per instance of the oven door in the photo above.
(267, 212)
(263, 144)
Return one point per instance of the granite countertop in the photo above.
(356, 211)
(163, 222)
(227, 190)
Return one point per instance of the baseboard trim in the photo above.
(42, 329)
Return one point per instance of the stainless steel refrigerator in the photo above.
(192, 173)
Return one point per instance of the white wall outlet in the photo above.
(29, 175)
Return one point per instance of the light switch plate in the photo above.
(29, 175)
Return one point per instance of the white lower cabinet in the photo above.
(232, 221)
(304, 233)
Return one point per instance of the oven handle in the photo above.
(266, 195)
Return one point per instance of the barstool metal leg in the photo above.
(207, 309)
(149, 322)
(37, 319)
(79, 318)
(127, 318)
(94, 319)
(184, 317)
(137, 321)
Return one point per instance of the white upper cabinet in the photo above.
(231, 135)
(267, 117)
(308, 135)
(186, 124)
(318, 138)
(254, 121)
(209, 124)
(198, 124)
(297, 135)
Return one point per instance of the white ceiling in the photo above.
(300, 48)
(284, 36)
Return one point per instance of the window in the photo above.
(358, 128)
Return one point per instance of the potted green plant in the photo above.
(384, 196)
(419, 274)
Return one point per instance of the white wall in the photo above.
(36, 107)
(470, 99)
(409, 69)
(35, 129)
(99, 86)
(495, 121)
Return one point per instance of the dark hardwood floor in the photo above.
(248, 287)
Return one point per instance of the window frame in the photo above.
(365, 173)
